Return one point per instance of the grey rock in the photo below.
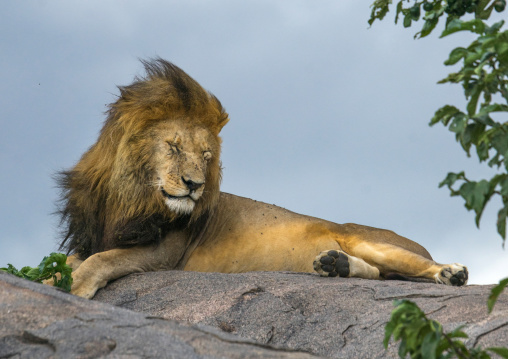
(180, 314)
(39, 321)
(330, 317)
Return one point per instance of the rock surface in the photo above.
(330, 317)
(213, 315)
(38, 321)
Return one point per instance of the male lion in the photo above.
(146, 197)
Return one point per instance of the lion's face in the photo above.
(182, 158)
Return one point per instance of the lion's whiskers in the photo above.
(157, 184)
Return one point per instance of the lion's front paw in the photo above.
(84, 286)
(332, 263)
(84, 291)
(452, 274)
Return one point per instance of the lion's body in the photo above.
(146, 197)
(248, 235)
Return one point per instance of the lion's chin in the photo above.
(180, 205)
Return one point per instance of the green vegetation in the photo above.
(483, 124)
(423, 338)
(48, 268)
(495, 293)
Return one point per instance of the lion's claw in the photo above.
(332, 263)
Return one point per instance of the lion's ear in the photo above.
(222, 121)
(222, 115)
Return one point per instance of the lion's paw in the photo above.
(452, 274)
(85, 290)
(332, 263)
(85, 286)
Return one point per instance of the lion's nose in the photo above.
(191, 185)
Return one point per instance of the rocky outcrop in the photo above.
(330, 317)
(210, 315)
(38, 321)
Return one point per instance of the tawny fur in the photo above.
(146, 197)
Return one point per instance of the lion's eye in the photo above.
(207, 155)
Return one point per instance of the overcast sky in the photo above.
(328, 117)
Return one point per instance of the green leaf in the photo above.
(457, 333)
(494, 293)
(504, 185)
(407, 20)
(502, 352)
(445, 114)
(11, 270)
(469, 60)
(458, 124)
(24, 272)
(455, 56)
(485, 57)
(501, 47)
(390, 326)
(490, 30)
(34, 274)
(477, 26)
(65, 282)
(451, 178)
(476, 195)
(428, 26)
(402, 349)
(482, 150)
(493, 108)
(501, 222)
(482, 12)
(472, 135)
(379, 10)
(429, 345)
(499, 141)
(473, 102)
(453, 78)
(398, 11)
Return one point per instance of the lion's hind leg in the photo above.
(333, 263)
(390, 258)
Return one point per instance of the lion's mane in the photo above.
(105, 201)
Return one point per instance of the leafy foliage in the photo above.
(48, 268)
(494, 294)
(483, 123)
(423, 338)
